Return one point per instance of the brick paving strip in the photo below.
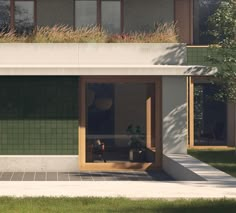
(84, 176)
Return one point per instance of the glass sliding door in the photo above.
(203, 9)
(210, 116)
(120, 122)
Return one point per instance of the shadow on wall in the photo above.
(175, 55)
(175, 131)
(201, 70)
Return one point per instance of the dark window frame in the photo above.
(12, 13)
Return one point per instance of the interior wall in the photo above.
(130, 108)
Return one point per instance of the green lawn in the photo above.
(68, 205)
(224, 160)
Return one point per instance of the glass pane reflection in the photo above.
(85, 13)
(116, 122)
(4, 15)
(24, 17)
(111, 16)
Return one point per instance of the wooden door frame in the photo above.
(191, 85)
(190, 16)
(83, 165)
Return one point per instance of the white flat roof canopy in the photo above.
(106, 70)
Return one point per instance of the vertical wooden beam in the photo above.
(187, 100)
(183, 16)
(121, 16)
(35, 15)
(191, 111)
(12, 15)
(82, 122)
(74, 8)
(150, 116)
(149, 121)
(191, 21)
(99, 13)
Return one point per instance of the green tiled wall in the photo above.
(197, 55)
(38, 115)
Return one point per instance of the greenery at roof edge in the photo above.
(164, 33)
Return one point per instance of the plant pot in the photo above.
(137, 155)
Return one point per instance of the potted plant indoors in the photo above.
(136, 144)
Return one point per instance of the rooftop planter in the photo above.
(60, 54)
(61, 45)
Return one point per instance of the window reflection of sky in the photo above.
(4, 13)
(24, 16)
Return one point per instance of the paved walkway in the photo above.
(130, 189)
(135, 185)
(85, 176)
(111, 184)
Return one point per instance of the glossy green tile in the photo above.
(44, 113)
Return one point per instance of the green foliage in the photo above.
(136, 136)
(105, 205)
(223, 55)
(222, 23)
(198, 99)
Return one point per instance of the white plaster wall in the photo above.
(92, 54)
(39, 163)
(46, 54)
(178, 170)
(174, 115)
(141, 15)
(55, 12)
(138, 54)
(185, 167)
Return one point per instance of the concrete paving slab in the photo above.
(6, 176)
(29, 176)
(185, 167)
(63, 176)
(17, 176)
(40, 176)
(129, 189)
(83, 176)
(51, 176)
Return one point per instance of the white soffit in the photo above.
(111, 70)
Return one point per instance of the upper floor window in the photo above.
(203, 9)
(85, 13)
(4, 15)
(17, 15)
(111, 15)
(24, 16)
(104, 13)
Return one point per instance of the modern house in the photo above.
(65, 107)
